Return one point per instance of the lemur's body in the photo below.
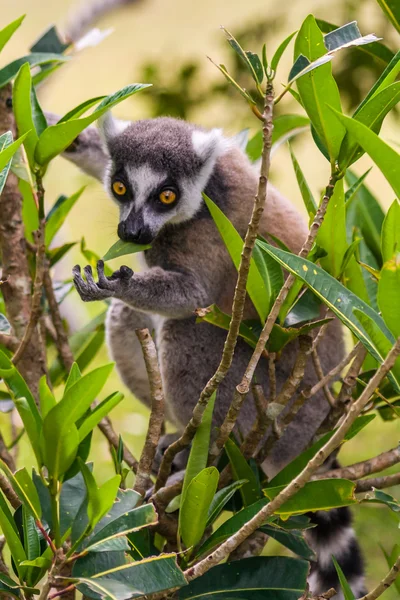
(188, 267)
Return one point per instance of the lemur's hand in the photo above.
(106, 287)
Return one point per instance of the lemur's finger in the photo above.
(89, 275)
(126, 272)
(76, 271)
(103, 281)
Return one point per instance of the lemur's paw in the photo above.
(106, 287)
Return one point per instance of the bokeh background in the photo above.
(166, 42)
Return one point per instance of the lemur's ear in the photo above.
(110, 127)
(208, 145)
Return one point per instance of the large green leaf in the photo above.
(100, 499)
(101, 410)
(387, 159)
(57, 138)
(30, 425)
(332, 233)
(256, 578)
(241, 469)
(9, 30)
(390, 239)
(315, 87)
(149, 576)
(36, 58)
(371, 114)
(22, 93)
(24, 488)
(323, 494)
(17, 386)
(59, 213)
(391, 9)
(259, 293)
(10, 532)
(195, 505)
(389, 294)
(198, 456)
(121, 248)
(343, 303)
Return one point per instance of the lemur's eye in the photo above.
(167, 196)
(119, 188)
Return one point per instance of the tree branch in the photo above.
(380, 483)
(5, 455)
(385, 583)
(300, 481)
(154, 430)
(109, 432)
(9, 493)
(365, 467)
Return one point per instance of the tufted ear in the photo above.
(110, 127)
(208, 145)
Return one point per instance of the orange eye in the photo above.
(167, 197)
(119, 188)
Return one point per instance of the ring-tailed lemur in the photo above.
(156, 171)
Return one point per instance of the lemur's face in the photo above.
(157, 172)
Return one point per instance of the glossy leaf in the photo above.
(256, 578)
(101, 411)
(9, 30)
(16, 384)
(37, 58)
(389, 294)
(24, 488)
(57, 138)
(305, 191)
(314, 88)
(388, 76)
(195, 505)
(121, 248)
(251, 60)
(391, 9)
(46, 396)
(390, 238)
(8, 150)
(350, 309)
(22, 107)
(256, 288)
(332, 233)
(100, 499)
(250, 491)
(198, 456)
(281, 49)
(221, 498)
(323, 494)
(10, 532)
(59, 213)
(30, 425)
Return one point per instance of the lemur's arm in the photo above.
(172, 294)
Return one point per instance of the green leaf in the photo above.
(198, 456)
(121, 248)
(234, 244)
(8, 151)
(149, 576)
(387, 159)
(285, 127)
(56, 254)
(9, 30)
(94, 344)
(24, 488)
(251, 60)
(59, 213)
(57, 138)
(46, 396)
(256, 578)
(31, 539)
(250, 491)
(305, 191)
(294, 540)
(386, 78)
(281, 49)
(378, 496)
(195, 505)
(389, 294)
(314, 88)
(391, 9)
(346, 589)
(5, 140)
(323, 494)
(80, 110)
(16, 384)
(10, 532)
(343, 303)
(332, 233)
(235, 84)
(390, 238)
(372, 115)
(37, 58)
(102, 410)
(221, 498)
(30, 425)
(59, 449)
(22, 93)
(100, 499)
(288, 473)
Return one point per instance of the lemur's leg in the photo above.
(125, 349)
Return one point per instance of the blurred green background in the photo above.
(165, 42)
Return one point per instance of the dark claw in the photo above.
(126, 272)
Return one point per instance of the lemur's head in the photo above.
(157, 170)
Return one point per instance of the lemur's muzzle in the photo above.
(133, 229)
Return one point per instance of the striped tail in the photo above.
(334, 536)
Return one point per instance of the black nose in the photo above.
(136, 233)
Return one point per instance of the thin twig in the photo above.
(37, 293)
(272, 376)
(5, 455)
(335, 371)
(62, 344)
(300, 481)
(143, 480)
(385, 583)
(260, 426)
(320, 374)
(380, 483)
(109, 432)
(365, 467)
(9, 493)
(238, 300)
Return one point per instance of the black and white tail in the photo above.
(334, 536)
